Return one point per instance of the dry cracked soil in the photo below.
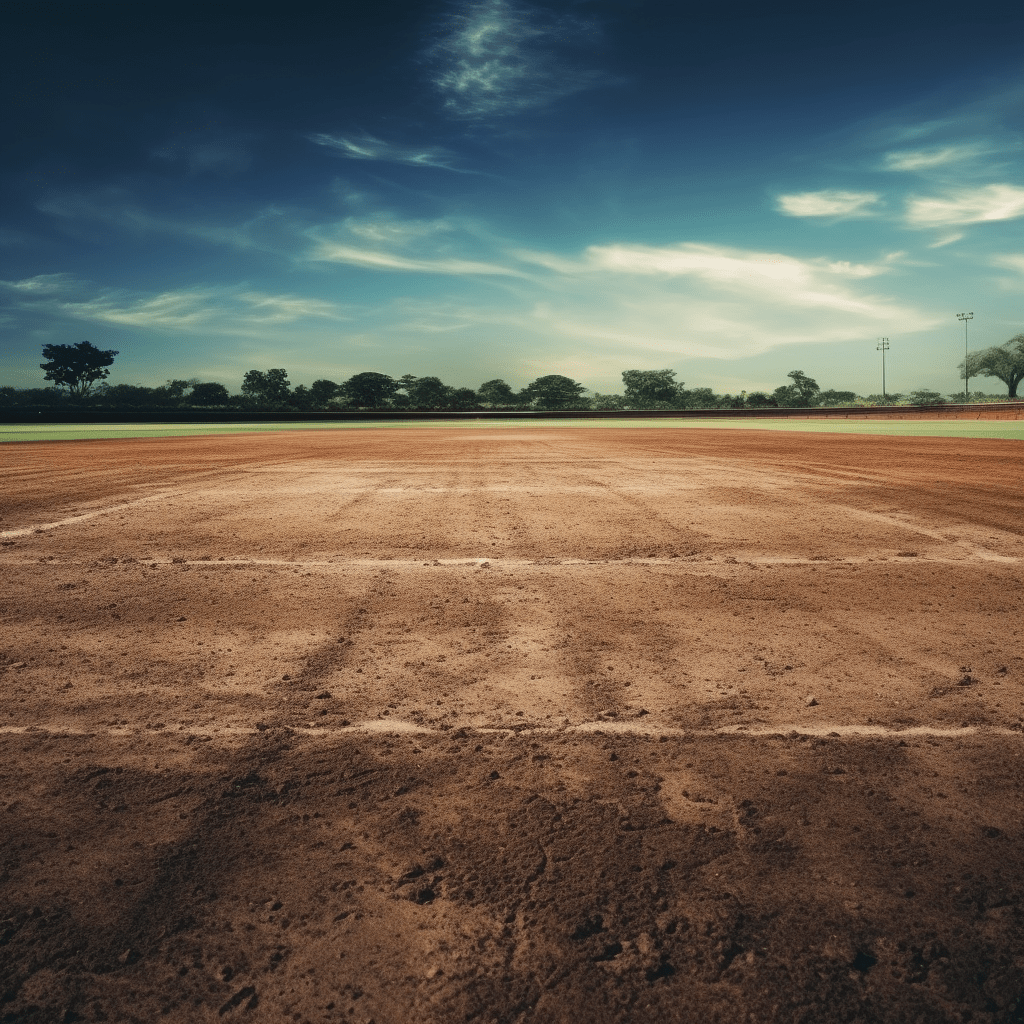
(512, 725)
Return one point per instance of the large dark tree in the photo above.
(322, 391)
(646, 387)
(806, 387)
(496, 392)
(370, 390)
(462, 398)
(555, 392)
(209, 393)
(76, 367)
(1004, 362)
(427, 392)
(269, 387)
(125, 396)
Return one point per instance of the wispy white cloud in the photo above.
(385, 242)
(1010, 261)
(967, 206)
(334, 252)
(287, 309)
(207, 310)
(925, 159)
(366, 147)
(386, 229)
(117, 209)
(41, 284)
(227, 311)
(713, 301)
(795, 281)
(828, 203)
(379, 240)
(946, 239)
(499, 57)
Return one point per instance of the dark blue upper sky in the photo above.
(481, 189)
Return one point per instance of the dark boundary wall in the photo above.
(986, 411)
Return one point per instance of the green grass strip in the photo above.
(1009, 429)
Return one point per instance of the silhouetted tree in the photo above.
(555, 392)
(76, 367)
(805, 388)
(1005, 362)
(370, 390)
(174, 390)
(831, 397)
(269, 387)
(786, 396)
(209, 393)
(645, 388)
(462, 398)
(496, 392)
(607, 402)
(322, 391)
(125, 396)
(700, 398)
(427, 392)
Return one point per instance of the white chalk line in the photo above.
(121, 506)
(393, 727)
(81, 517)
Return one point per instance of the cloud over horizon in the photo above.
(487, 188)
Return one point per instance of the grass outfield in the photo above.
(1012, 429)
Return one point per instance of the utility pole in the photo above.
(883, 347)
(967, 380)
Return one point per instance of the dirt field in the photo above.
(512, 725)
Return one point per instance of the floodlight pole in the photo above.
(967, 380)
(883, 347)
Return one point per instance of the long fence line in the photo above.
(979, 411)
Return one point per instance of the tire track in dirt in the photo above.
(440, 877)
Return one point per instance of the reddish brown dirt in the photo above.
(512, 725)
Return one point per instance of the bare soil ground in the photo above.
(512, 725)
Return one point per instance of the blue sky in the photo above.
(495, 189)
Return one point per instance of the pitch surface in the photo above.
(507, 725)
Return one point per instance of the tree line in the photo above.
(79, 373)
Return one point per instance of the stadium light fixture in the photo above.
(967, 380)
(883, 347)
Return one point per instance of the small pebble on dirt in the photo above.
(811, 702)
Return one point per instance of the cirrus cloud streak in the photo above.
(967, 206)
(828, 203)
